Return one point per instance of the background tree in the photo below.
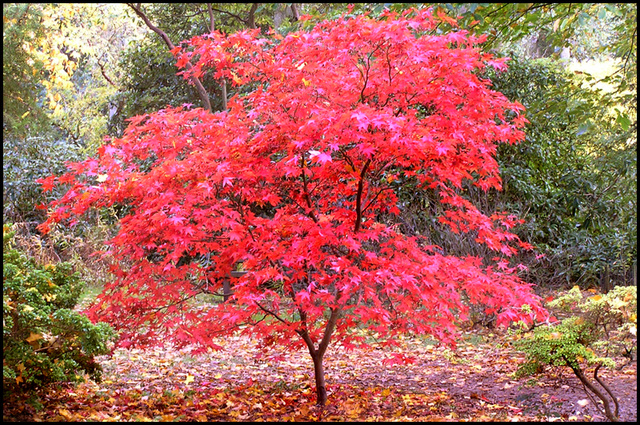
(292, 180)
(21, 29)
(151, 82)
(57, 83)
(576, 170)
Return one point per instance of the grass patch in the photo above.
(90, 293)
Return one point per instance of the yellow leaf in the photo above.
(554, 335)
(20, 367)
(25, 114)
(306, 83)
(189, 379)
(218, 376)
(33, 337)
(236, 79)
(596, 298)
(19, 379)
(65, 413)
(386, 392)
(49, 297)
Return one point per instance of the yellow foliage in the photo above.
(554, 335)
(33, 337)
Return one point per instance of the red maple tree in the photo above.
(291, 181)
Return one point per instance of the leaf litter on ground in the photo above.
(241, 382)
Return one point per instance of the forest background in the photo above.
(74, 73)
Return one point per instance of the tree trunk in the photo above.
(321, 388)
(318, 354)
(613, 417)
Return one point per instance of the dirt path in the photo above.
(473, 383)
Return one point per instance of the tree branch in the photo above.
(306, 192)
(607, 389)
(104, 74)
(359, 197)
(211, 20)
(204, 96)
(249, 21)
(295, 12)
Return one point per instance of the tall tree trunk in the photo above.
(202, 92)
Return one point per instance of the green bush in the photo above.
(598, 329)
(574, 184)
(44, 340)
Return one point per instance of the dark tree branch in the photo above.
(249, 21)
(359, 196)
(104, 74)
(605, 402)
(204, 96)
(307, 195)
(607, 389)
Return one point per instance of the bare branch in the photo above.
(204, 96)
(213, 22)
(104, 74)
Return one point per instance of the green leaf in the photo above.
(624, 121)
(583, 128)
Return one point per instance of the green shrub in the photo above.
(44, 340)
(597, 329)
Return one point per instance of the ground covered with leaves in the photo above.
(475, 382)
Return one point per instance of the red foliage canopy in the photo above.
(290, 179)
